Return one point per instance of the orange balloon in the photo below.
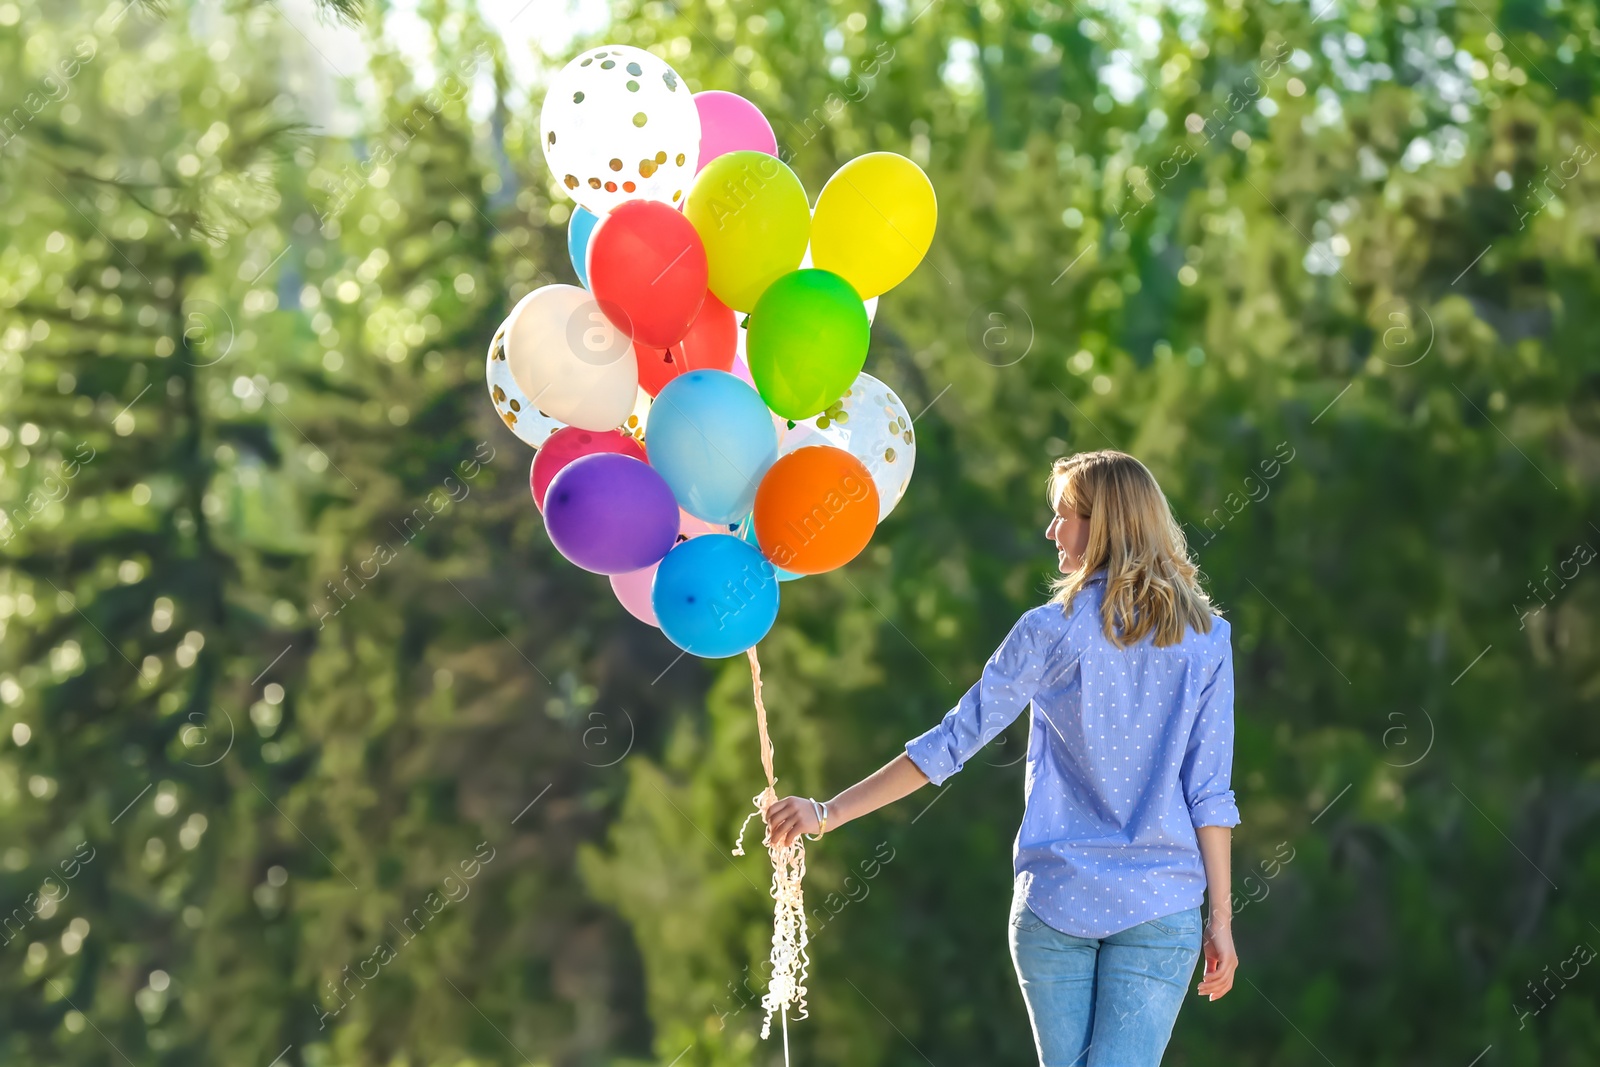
(815, 509)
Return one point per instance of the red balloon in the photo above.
(710, 344)
(647, 271)
(570, 443)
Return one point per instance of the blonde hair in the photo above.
(1151, 584)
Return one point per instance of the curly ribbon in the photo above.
(790, 963)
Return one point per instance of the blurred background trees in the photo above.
(286, 654)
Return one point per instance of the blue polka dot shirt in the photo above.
(1130, 750)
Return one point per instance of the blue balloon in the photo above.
(578, 231)
(715, 596)
(747, 533)
(711, 437)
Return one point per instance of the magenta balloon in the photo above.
(566, 445)
(610, 514)
(730, 123)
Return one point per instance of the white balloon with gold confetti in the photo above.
(634, 425)
(871, 424)
(532, 426)
(620, 124)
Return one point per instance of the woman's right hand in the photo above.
(1221, 959)
(788, 818)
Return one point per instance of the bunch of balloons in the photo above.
(703, 426)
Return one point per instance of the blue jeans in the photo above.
(1106, 1002)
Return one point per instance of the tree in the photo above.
(284, 779)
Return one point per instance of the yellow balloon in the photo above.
(751, 213)
(874, 222)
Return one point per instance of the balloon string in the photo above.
(789, 961)
(761, 717)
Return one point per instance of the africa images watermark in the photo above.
(739, 190)
(451, 490)
(1270, 869)
(796, 535)
(1209, 126)
(831, 906)
(747, 587)
(42, 905)
(52, 89)
(1233, 504)
(736, 596)
(1577, 159)
(52, 490)
(1581, 954)
(811, 126)
(1580, 556)
(455, 890)
(358, 175)
(868, 870)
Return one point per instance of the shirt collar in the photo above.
(1097, 578)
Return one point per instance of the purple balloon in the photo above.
(610, 514)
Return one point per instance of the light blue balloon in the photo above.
(578, 231)
(747, 532)
(715, 596)
(712, 439)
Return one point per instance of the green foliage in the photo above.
(311, 747)
(1253, 260)
(283, 644)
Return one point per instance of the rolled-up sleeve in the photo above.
(1010, 680)
(1208, 762)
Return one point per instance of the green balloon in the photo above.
(807, 342)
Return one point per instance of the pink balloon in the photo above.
(633, 593)
(633, 588)
(689, 526)
(730, 123)
(569, 443)
(741, 370)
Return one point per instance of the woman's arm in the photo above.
(793, 816)
(1216, 846)
(1010, 679)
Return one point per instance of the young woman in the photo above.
(1130, 751)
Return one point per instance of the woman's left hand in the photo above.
(1221, 960)
(788, 818)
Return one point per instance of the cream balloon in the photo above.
(619, 124)
(873, 425)
(532, 426)
(569, 360)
